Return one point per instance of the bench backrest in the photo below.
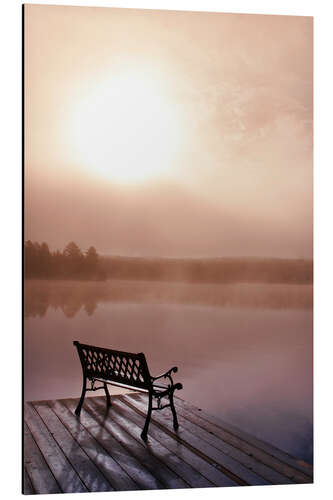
(116, 366)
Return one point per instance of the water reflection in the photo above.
(252, 365)
(72, 296)
(67, 297)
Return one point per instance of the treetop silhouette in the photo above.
(72, 263)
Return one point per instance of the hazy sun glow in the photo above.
(128, 129)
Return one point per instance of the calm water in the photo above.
(244, 352)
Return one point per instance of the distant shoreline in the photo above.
(224, 270)
(73, 263)
(212, 270)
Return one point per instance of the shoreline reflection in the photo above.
(73, 296)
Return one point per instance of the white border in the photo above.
(10, 99)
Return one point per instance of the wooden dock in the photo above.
(102, 450)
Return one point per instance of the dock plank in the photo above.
(39, 473)
(134, 424)
(84, 466)
(214, 439)
(116, 476)
(122, 464)
(227, 463)
(295, 475)
(133, 467)
(215, 477)
(27, 484)
(258, 444)
(118, 427)
(61, 468)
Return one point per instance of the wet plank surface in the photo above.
(102, 449)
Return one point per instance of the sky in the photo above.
(160, 133)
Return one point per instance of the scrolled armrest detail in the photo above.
(167, 374)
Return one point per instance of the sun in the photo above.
(127, 128)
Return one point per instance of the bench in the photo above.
(128, 370)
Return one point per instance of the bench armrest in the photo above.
(167, 374)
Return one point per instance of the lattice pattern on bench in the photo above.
(123, 367)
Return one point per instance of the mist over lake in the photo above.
(244, 352)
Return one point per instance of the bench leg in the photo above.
(107, 394)
(145, 429)
(174, 414)
(83, 393)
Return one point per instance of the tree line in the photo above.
(71, 263)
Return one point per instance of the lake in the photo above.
(244, 352)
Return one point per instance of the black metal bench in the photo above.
(128, 370)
